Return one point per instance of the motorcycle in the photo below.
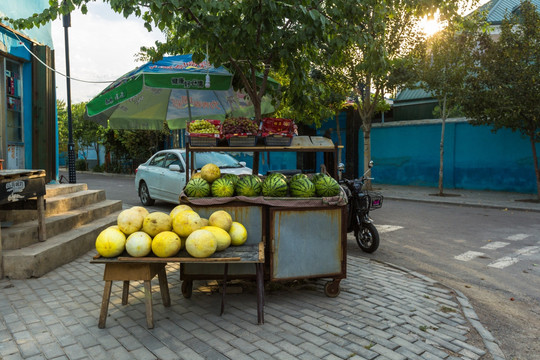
(359, 203)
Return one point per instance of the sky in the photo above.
(102, 47)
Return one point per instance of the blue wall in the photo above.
(407, 153)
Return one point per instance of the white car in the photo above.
(163, 176)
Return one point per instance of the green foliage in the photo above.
(502, 89)
(81, 165)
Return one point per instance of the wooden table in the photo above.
(126, 268)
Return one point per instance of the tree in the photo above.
(442, 64)
(370, 51)
(502, 90)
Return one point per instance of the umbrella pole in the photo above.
(188, 105)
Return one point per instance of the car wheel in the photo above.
(144, 195)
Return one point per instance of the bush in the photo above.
(81, 165)
(98, 168)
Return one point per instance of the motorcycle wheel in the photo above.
(367, 238)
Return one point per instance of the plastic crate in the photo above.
(201, 139)
(245, 140)
(278, 140)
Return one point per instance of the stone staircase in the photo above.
(74, 216)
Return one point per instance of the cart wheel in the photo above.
(187, 288)
(331, 288)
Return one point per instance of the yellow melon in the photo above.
(222, 237)
(139, 244)
(179, 208)
(201, 244)
(185, 222)
(210, 172)
(166, 244)
(129, 221)
(221, 219)
(238, 234)
(156, 222)
(110, 242)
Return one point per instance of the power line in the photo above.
(56, 71)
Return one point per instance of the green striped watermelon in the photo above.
(197, 187)
(279, 175)
(302, 187)
(326, 186)
(298, 176)
(275, 186)
(315, 177)
(222, 187)
(249, 185)
(232, 177)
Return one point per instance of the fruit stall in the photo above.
(304, 233)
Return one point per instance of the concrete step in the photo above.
(38, 259)
(62, 189)
(26, 233)
(58, 204)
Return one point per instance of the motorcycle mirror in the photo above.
(370, 165)
(341, 167)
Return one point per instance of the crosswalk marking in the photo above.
(495, 245)
(469, 255)
(388, 228)
(517, 237)
(510, 260)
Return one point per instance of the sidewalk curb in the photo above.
(471, 204)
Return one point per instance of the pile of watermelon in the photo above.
(273, 185)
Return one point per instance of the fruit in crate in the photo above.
(156, 222)
(238, 234)
(326, 186)
(275, 186)
(203, 127)
(302, 187)
(166, 244)
(249, 185)
(197, 187)
(201, 244)
(210, 172)
(222, 187)
(110, 242)
(239, 126)
(139, 244)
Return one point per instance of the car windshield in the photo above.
(221, 159)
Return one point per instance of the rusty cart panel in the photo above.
(307, 243)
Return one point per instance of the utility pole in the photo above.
(71, 145)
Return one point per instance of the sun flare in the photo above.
(430, 25)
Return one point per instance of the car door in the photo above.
(154, 173)
(172, 181)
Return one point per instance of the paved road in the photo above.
(492, 255)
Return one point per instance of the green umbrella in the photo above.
(173, 90)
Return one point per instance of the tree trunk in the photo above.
(367, 154)
(536, 167)
(441, 161)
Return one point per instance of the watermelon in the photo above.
(232, 177)
(298, 176)
(249, 185)
(326, 186)
(315, 177)
(197, 187)
(275, 186)
(279, 175)
(222, 187)
(302, 187)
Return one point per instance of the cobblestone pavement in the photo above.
(382, 312)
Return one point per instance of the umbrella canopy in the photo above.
(175, 90)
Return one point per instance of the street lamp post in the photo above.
(71, 146)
